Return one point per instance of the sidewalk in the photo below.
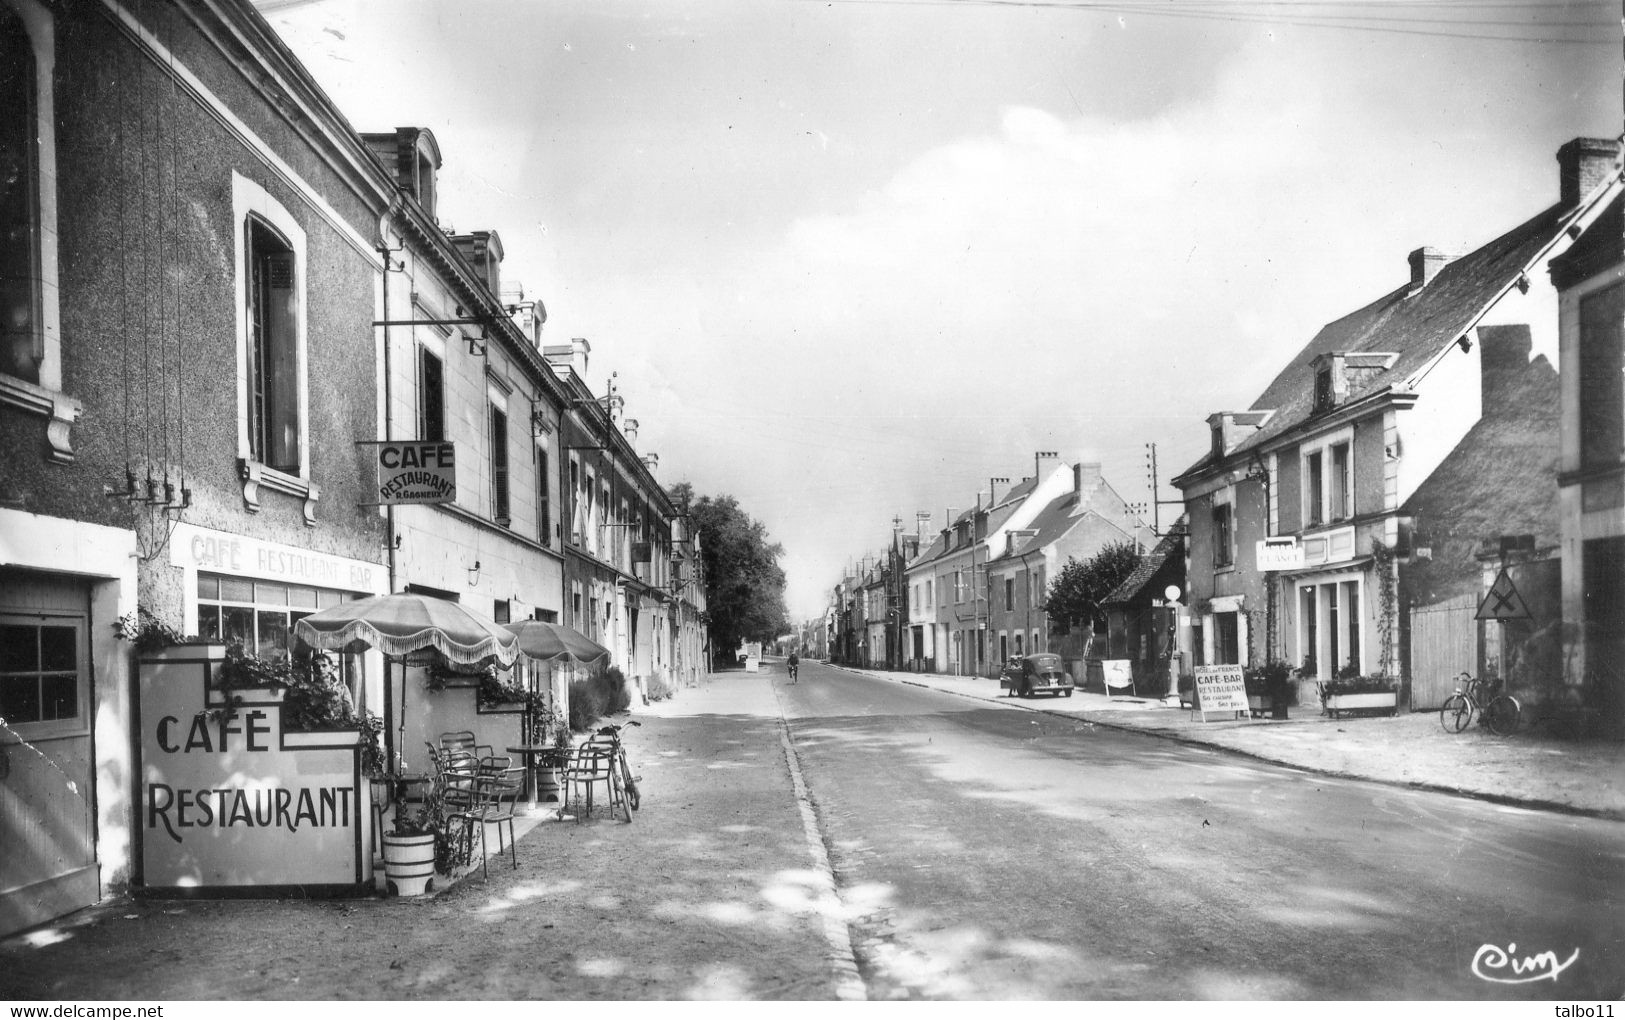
(1410, 749)
(710, 893)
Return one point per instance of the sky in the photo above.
(850, 260)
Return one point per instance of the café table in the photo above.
(537, 757)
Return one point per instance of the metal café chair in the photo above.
(589, 766)
(500, 787)
(459, 779)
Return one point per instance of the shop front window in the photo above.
(259, 616)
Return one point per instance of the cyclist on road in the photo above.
(791, 663)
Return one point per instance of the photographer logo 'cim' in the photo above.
(1504, 967)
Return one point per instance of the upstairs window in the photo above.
(1314, 477)
(544, 507)
(499, 465)
(1009, 594)
(22, 346)
(273, 349)
(1323, 390)
(1602, 381)
(1339, 484)
(1222, 556)
(431, 397)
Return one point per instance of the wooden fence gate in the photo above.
(1444, 642)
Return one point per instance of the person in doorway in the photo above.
(792, 663)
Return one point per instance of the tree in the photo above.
(1075, 595)
(744, 584)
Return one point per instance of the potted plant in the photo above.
(1360, 694)
(418, 843)
(1269, 688)
(412, 842)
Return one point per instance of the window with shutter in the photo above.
(544, 508)
(499, 465)
(431, 397)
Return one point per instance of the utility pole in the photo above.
(1157, 503)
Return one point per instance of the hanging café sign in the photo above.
(412, 471)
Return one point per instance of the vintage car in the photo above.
(1040, 673)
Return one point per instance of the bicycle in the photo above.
(793, 669)
(1496, 712)
(620, 772)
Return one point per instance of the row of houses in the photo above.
(968, 596)
(1419, 491)
(218, 300)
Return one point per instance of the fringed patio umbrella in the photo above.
(403, 625)
(552, 643)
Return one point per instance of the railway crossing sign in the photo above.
(1502, 601)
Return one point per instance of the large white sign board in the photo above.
(1220, 689)
(233, 801)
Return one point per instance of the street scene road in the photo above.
(1003, 852)
(974, 850)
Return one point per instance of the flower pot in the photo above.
(409, 863)
(548, 781)
(1376, 701)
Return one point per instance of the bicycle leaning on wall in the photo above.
(1497, 712)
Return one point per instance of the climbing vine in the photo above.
(1387, 605)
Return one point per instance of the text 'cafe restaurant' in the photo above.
(239, 800)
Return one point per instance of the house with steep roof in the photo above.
(1405, 437)
(1142, 616)
(1075, 525)
(952, 571)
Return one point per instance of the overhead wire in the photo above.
(1300, 15)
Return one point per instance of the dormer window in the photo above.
(1323, 390)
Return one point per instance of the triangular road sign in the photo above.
(1502, 601)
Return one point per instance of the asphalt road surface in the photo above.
(989, 851)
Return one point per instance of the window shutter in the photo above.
(544, 508)
(432, 398)
(499, 466)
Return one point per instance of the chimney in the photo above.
(1582, 164)
(1425, 265)
(922, 520)
(1504, 356)
(528, 315)
(1044, 461)
(567, 358)
(651, 461)
(630, 427)
(483, 250)
(1085, 478)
